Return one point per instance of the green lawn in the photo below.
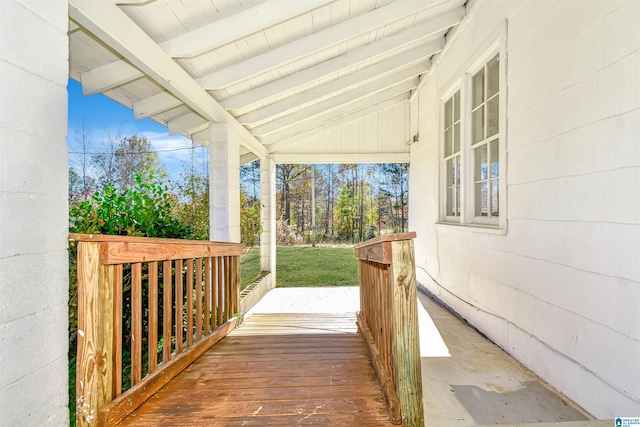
(249, 267)
(320, 266)
(304, 266)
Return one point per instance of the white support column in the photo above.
(268, 215)
(34, 221)
(224, 183)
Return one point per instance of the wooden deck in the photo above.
(275, 370)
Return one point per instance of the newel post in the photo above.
(94, 364)
(404, 327)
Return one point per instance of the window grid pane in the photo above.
(478, 89)
(477, 117)
(485, 124)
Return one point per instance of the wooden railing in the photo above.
(181, 297)
(388, 319)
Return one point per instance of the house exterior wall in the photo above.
(33, 213)
(559, 286)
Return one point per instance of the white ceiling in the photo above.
(272, 69)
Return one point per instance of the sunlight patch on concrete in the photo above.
(339, 300)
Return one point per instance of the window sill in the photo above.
(473, 227)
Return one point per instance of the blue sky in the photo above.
(101, 114)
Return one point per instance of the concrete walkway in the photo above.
(467, 380)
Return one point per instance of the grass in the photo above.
(249, 267)
(319, 266)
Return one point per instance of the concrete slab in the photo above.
(467, 380)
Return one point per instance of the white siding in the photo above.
(33, 213)
(560, 290)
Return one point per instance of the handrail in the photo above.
(389, 322)
(165, 284)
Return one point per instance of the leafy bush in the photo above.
(250, 226)
(145, 210)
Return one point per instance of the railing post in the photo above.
(404, 327)
(94, 364)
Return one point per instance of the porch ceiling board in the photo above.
(315, 42)
(340, 112)
(335, 102)
(279, 72)
(108, 23)
(279, 146)
(412, 60)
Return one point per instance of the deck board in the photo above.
(275, 370)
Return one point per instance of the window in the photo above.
(452, 154)
(485, 118)
(471, 147)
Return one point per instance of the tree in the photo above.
(192, 194)
(106, 162)
(250, 226)
(135, 157)
(347, 213)
(83, 183)
(395, 185)
(285, 175)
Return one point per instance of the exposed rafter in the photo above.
(412, 59)
(238, 26)
(209, 37)
(107, 77)
(189, 123)
(275, 147)
(155, 104)
(335, 102)
(380, 47)
(337, 113)
(315, 42)
(111, 25)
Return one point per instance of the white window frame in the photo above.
(443, 160)
(467, 217)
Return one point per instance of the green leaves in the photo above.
(143, 210)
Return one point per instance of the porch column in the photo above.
(34, 221)
(268, 215)
(224, 183)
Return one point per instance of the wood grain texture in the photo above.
(167, 315)
(122, 406)
(121, 252)
(179, 304)
(207, 295)
(94, 387)
(198, 285)
(152, 339)
(406, 347)
(117, 330)
(275, 370)
(384, 379)
(136, 323)
(189, 306)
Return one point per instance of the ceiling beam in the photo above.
(247, 158)
(155, 104)
(412, 60)
(238, 26)
(315, 42)
(315, 158)
(337, 123)
(337, 113)
(189, 123)
(380, 47)
(107, 77)
(336, 101)
(114, 28)
(214, 35)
